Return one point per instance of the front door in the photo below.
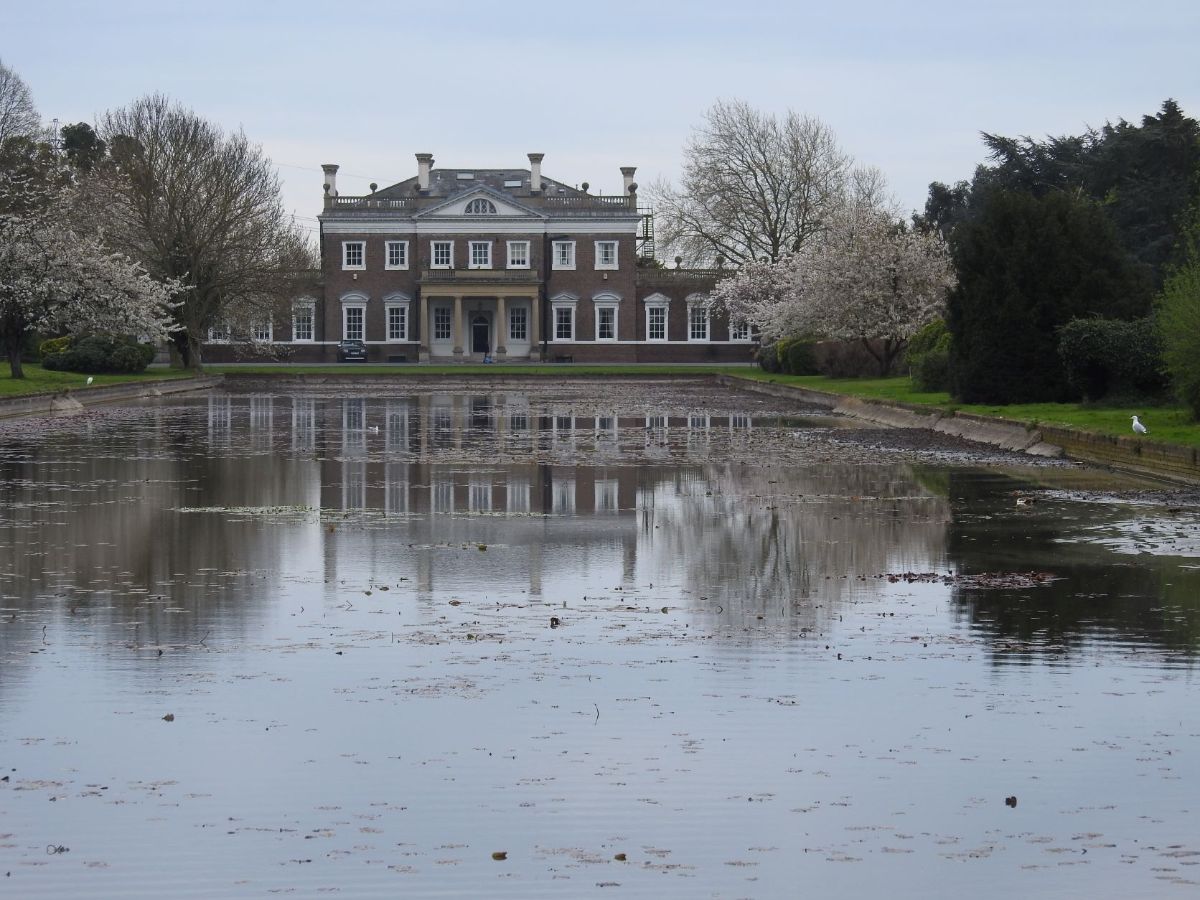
(481, 337)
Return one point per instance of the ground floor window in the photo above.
(441, 323)
(518, 324)
(354, 323)
(697, 323)
(302, 323)
(564, 323)
(656, 323)
(739, 331)
(397, 323)
(218, 333)
(261, 333)
(606, 323)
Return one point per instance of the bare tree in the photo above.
(18, 116)
(192, 203)
(753, 186)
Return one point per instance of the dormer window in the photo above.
(481, 207)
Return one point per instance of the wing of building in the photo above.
(499, 264)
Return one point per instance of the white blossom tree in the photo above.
(53, 280)
(867, 280)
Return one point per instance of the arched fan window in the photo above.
(481, 207)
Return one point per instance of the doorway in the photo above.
(481, 334)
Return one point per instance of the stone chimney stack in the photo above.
(627, 176)
(330, 171)
(535, 172)
(424, 164)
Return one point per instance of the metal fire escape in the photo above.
(645, 240)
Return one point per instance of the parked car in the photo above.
(352, 351)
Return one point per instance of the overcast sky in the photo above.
(595, 86)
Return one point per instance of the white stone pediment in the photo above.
(456, 208)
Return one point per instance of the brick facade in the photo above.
(489, 308)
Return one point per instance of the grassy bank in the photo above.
(1168, 424)
(41, 381)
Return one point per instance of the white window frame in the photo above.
(219, 333)
(693, 309)
(480, 206)
(523, 311)
(560, 264)
(388, 308)
(614, 264)
(437, 312)
(666, 322)
(257, 330)
(513, 245)
(433, 254)
(739, 333)
(607, 306)
(361, 306)
(362, 256)
(401, 248)
(472, 248)
(300, 310)
(564, 306)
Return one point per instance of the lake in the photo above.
(634, 639)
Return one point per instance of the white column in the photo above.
(426, 330)
(501, 328)
(458, 327)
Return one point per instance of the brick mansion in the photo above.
(494, 265)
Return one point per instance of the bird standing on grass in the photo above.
(89, 381)
(1138, 427)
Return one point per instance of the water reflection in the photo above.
(253, 483)
(409, 630)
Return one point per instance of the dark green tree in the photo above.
(1178, 318)
(1026, 266)
(1148, 177)
(83, 146)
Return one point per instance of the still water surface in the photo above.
(745, 645)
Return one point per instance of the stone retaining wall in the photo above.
(1126, 453)
(68, 401)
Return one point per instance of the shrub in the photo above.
(928, 357)
(845, 359)
(1102, 356)
(1179, 328)
(768, 359)
(798, 357)
(53, 345)
(98, 354)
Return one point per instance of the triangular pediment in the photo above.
(457, 207)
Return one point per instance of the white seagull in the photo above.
(89, 381)
(1138, 427)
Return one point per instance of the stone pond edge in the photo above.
(1129, 454)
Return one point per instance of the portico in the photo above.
(469, 321)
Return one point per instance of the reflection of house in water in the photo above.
(421, 481)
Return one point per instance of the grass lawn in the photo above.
(1169, 424)
(40, 381)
